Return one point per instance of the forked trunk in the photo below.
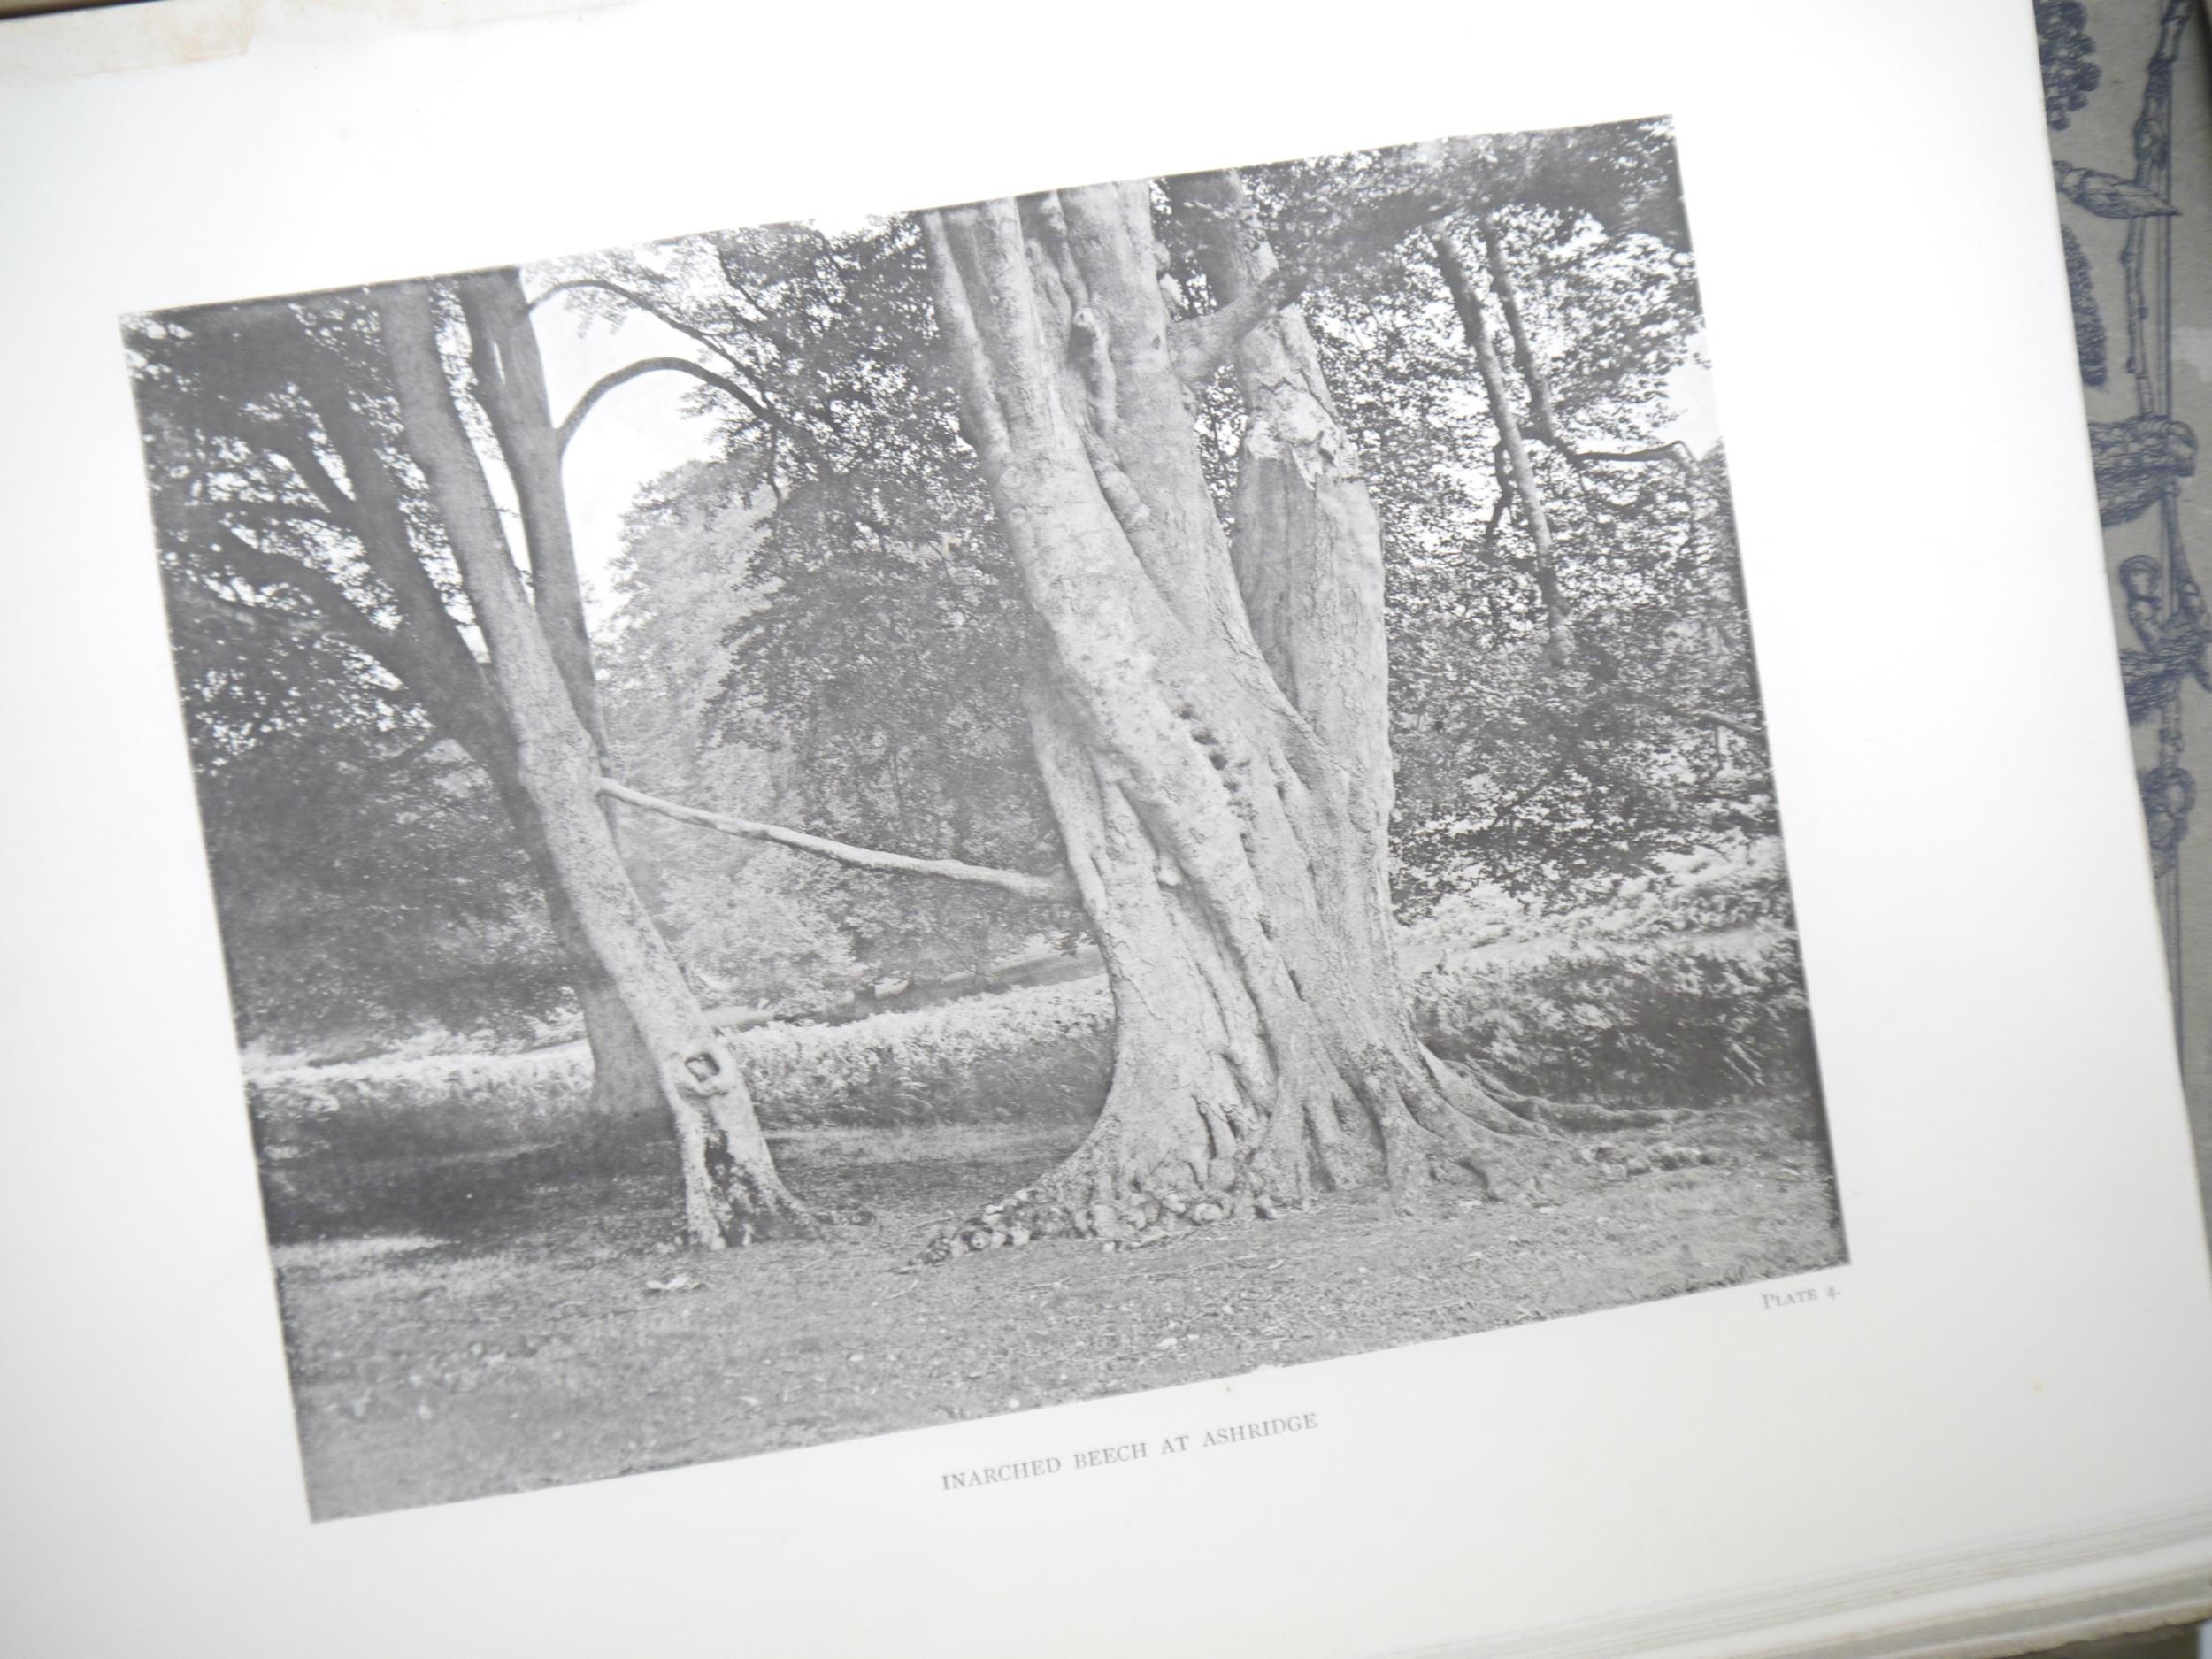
(626, 1082)
(1212, 729)
(511, 385)
(731, 1192)
(427, 653)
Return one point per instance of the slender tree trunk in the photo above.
(1467, 300)
(510, 384)
(732, 1191)
(1543, 420)
(1212, 729)
(427, 653)
(626, 1082)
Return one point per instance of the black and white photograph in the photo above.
(833, 828)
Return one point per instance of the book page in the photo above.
(1030, 1194)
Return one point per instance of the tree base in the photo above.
(1538, 1111)
(731, 1202)
(1036, 1213)
(1530, 1172)
(1094, 1196)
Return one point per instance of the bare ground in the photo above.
(492, 1322)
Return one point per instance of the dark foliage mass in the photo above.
(367, 877)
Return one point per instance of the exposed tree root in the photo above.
(1051, 1209)
(1536, 1109)
(1420, 1130)
(1452, 1126)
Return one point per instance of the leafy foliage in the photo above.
(1513, 767)
(362, 894)
(877, 651)
(753, 923)
(1681, 987)
(365, 872)
(819, 625)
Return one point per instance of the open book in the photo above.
(1122, 831)
(2128, 97)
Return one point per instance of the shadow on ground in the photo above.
(485, 1322)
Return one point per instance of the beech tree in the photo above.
(1572, 681)
(1064, 477)
(315, 465)
(1205, 684)
(1210, 706)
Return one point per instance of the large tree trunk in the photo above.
(733, 1193)
(1212, 729)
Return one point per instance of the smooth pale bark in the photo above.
(1020, 883)
(1543, 416)
(732, 1191)
(428, 654)
(1212, 730)
(626, 1082)
(510, 386)
(1467, 300)
(1308, 548)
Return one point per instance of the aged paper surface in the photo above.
(2007, 1379)
(1261, 839)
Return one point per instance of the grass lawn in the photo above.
(488, 1321)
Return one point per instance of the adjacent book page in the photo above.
(752, 909)
(2128, 97)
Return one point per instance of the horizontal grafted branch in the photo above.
(1677, 451)
(1045, 889)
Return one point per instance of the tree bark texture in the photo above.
(626, 1080)
(510, 386)
(427, 653)
(1210, 721)
(1467, 301)
(733, 1193)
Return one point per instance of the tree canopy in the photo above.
(1191, 567)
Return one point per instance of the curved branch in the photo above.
(1045, 889)
(645, 302)
(511, 390)
(648, 365)
(1199, 345)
